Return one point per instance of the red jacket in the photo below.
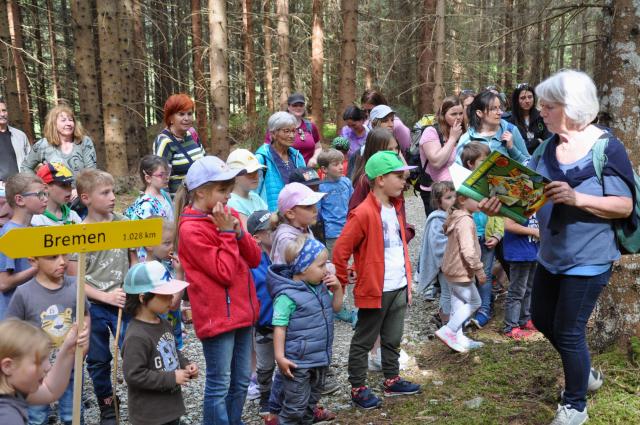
(217, 267)
(362, 236)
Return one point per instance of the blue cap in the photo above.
(209, 169)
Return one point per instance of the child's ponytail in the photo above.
(180, 200)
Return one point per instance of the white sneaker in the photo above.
(565, 415)
(596, 379)
(447, 336)
(469, 343)
(253, 392)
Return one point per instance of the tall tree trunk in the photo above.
(249, 62)
(426, 59)
(139, 88)
(163, 86)
(218, 63)
(112, 98)
(522, 41)
(198, 72)
(8, 67)
(85, 51)
(317, 62)
(348, 58)
(68, 76)
(15, 28)
(546, 54)
(41, 88)
(438, 92)
(582, 62)
(282, 9)
(268, 63)
(55, 83)
(561, 38)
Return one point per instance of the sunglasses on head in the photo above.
(522, 86)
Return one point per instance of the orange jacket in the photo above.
(362, 236)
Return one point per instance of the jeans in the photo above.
(104, 320)
(464, 302)
(561, 306)
(487, 256)
(265, 365)
(39, 415)
(388, 322)
(228, 371)
(300, 395)
(445, 294)
(518, 303)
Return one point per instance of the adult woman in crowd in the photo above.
(526, 117)
(178, 142)
(307, 136)
(486, 126)
(64, 141)
(354, 129)
(466, 97)
(372, 98)
(279, 156)
(577, 239)
(438, 145)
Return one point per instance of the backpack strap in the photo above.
(599, 157)
(177, 144)
(307, 124)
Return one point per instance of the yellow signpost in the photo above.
(80, 238)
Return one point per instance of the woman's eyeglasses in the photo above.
(495, 109)
(522, 86)
(161, 175)
(42, 195)
(288, 131)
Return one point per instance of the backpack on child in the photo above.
(419, 176)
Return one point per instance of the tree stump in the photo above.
(617, 314)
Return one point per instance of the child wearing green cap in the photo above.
(375, 235)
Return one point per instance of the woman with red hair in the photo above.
(178, 143)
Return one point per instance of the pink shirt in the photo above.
(430, 135)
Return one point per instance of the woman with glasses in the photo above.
(526, 117)
(372, 98)
(487, 126)
(178, 143)
(279, 156)
(307, 137)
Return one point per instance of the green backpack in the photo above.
(628, 242)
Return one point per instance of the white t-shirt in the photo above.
(395, 275)
(43, 220)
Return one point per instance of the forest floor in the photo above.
(504, 382)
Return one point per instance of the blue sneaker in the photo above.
(398, 386)
(364, 398)
(479, 320)
(343, 315)
(354, 319)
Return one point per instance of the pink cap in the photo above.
(295, 194)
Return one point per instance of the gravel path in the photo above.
(418, 328)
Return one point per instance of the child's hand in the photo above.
(482, 277)
(116, 298)
(456, 131)
(182, 376)
(192, 368)
(352, 276)
(83, 338)
(285, 366)
(331, 280)
(222, 218)
(491, 242)
(177, 265)
(70, 341)
(237, 227)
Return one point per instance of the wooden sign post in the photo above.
(80, 238)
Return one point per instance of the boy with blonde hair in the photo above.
(104, 277)
(27, 196)
(335, 205)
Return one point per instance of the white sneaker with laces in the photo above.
(449, 337)
(565, 415)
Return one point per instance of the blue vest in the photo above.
(310, 330)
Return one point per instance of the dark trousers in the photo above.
(425, 195)
(388, 322)
(300, 394)
(561, 306)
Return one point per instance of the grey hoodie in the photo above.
(284, 234)
(461, 261)
(13, 410)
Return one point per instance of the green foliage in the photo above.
(329, 131)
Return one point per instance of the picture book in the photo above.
(519, 188)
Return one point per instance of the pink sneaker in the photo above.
(529, 327)
(518, 334)
(449, 337)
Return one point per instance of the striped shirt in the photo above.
(165, 147)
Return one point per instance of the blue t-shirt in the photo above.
(262, 291)
(586, 245)
(480, 219)
(521, 247)
(335, 205)
(13, 265)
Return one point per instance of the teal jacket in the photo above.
(271, 182)
(518, 152)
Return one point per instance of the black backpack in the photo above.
(419, 176)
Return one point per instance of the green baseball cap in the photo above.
(385, 162)
(152, 277)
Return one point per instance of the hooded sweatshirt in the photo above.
(461, 261)
(13, 410)
(284, 234)
(217, 267)
(434, 243)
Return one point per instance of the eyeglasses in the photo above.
(495, 109)
(491, 88)
(522, 86)
(288, 131)
(42, 195)
(466, 92)
(161, 175)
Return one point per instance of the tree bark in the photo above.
(438, 92)
(508, 45)
(317, 63)
(85, 51)
(8, 66)
(112, 98)
(282, 9)
(218, 63)
(41, 87)
(15, 28)
(582, 62)
(68, 77)
(200, 84)
(268, 62)
(55, 83)
(249, 62)
(426, 59)
(348, 58)
(546, 59)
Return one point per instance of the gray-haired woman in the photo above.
(279, 157)
(577, 239)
